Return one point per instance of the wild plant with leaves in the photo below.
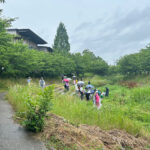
(37, 109)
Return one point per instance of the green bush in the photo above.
(37, 108)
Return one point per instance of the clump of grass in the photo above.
(6, 83)
(18, 95)
(141, 94)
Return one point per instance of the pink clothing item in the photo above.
(97, 98)
(74, 81)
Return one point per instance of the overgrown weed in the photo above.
(126, 109)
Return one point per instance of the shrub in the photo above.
(37, 109)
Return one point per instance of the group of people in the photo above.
(89, 92)
(41, 82)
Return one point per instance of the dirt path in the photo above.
(12, 135)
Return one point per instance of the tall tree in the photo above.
(61, 41)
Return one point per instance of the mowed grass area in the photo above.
(127, 109)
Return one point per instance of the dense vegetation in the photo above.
(33, 104)
(125, 108)
(135, 64)
(17, 60)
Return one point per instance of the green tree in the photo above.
(145, 60)
(130, 64)
(5, 41)
(99, 66)
(61, 41)
(113, 69)
(80, 66)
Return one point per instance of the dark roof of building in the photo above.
(48, 48)
(30, 35)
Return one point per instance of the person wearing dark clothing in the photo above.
(67, 86)
(81, 92)
(88, 93)
(107, 91)
(99, 92)
(87, 96)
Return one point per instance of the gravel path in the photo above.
(12, 135)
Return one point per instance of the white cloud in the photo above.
(115, 36)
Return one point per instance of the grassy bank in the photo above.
(124, 109)
(127, 109)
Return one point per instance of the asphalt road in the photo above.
(12, 135)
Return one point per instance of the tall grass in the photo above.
(18, 95)
(127, 109)
(109, 117)
(6, 83)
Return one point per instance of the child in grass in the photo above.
(42, 82)
(29, 81)
(88, 92)
(81, 92)
(67, 85)
(97, 100)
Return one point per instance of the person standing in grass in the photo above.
(88, 92)
(29, 81)
(81, 92)
(107, 91)
(76, 88)
(42, 82)
(67, 85)
(99, 92)
(97, 100)
(94, 99)
(74, 79)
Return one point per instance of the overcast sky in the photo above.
(109, 28)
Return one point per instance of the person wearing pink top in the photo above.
(97, 99)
